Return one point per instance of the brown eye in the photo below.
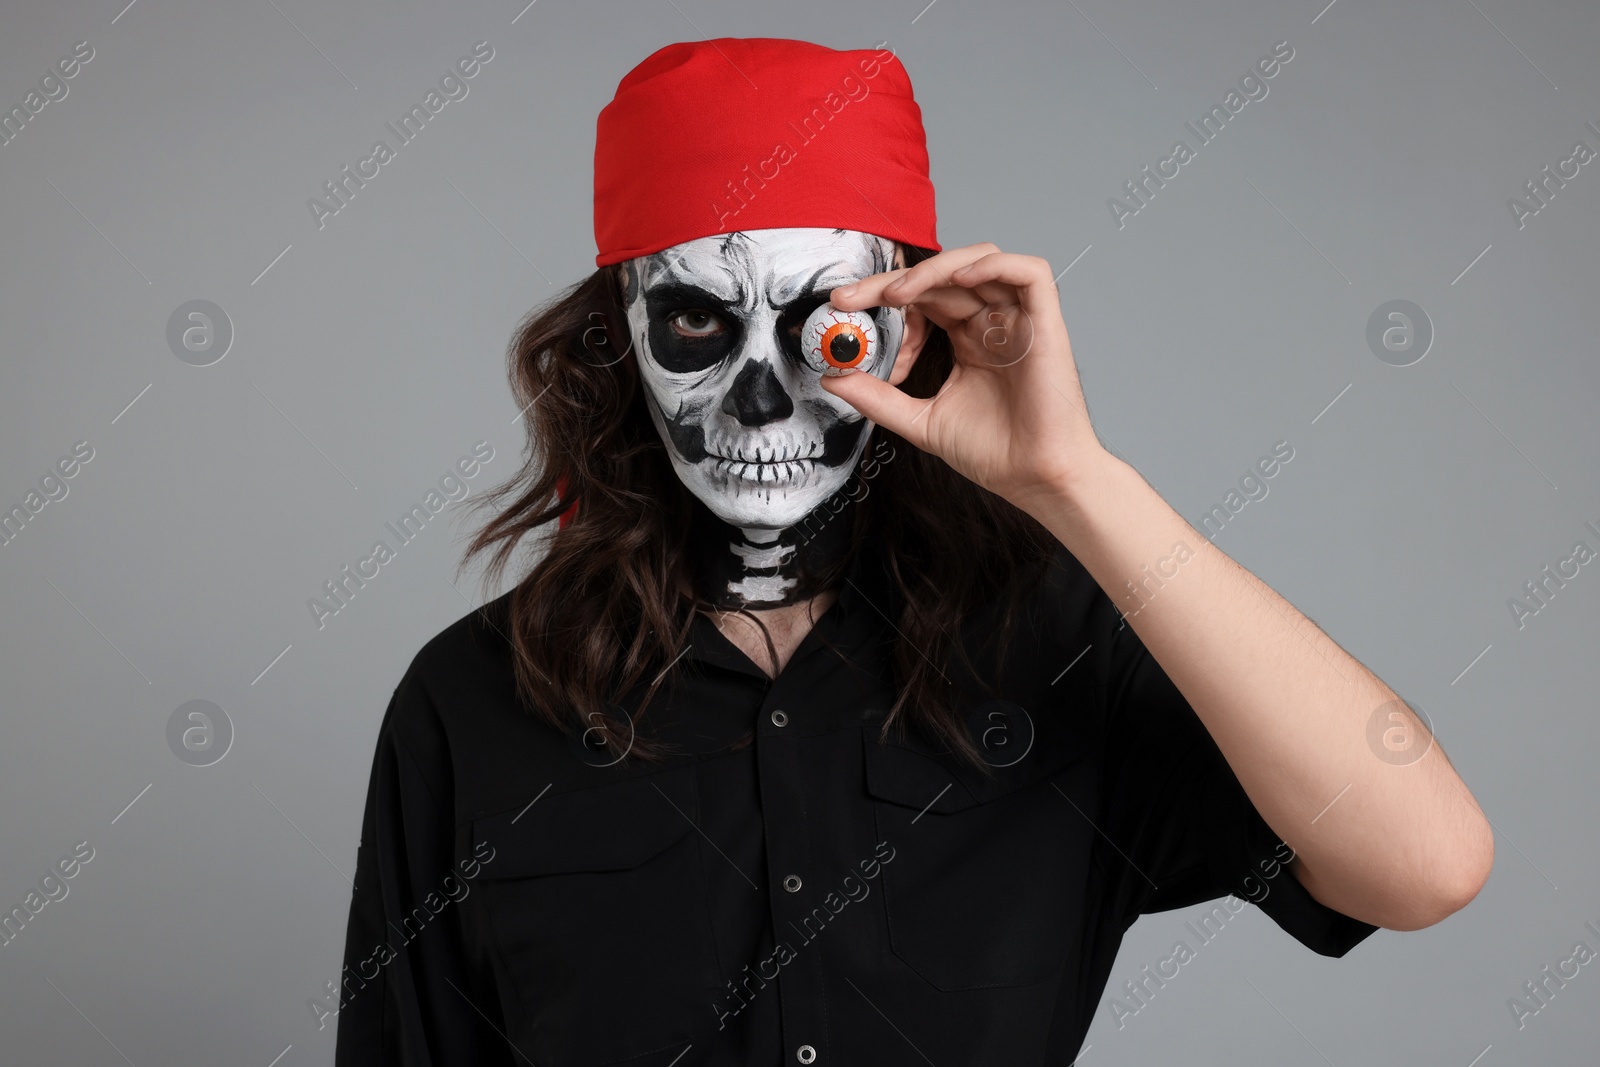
(695, 323)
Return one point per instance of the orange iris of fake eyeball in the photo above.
(838, 342)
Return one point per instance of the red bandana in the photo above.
(710, 137)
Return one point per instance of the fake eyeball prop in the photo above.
(837, 342)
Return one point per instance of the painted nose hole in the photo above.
(757, 397)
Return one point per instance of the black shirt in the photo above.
(812, 897)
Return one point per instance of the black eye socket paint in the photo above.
(680, 354)
(791, 318)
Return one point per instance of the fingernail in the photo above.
(846, 290)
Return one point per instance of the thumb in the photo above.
(883, 403)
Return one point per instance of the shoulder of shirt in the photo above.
(454, 671)
(461, 725)
(478, 639)
(1068, 586)
(1076, 613)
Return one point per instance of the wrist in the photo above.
(1074, 502)
(1089, 481)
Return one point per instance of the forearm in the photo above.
(1395, 844)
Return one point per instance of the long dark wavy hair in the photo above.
(604, 608)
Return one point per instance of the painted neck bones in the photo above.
(732, 382)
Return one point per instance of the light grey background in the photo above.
(1227, 315)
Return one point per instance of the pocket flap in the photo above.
(611, 827)
(913, 774)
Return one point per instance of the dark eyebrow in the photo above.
(810, 299)
(810, 291)
(670, 295)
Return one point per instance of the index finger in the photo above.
(935, 270)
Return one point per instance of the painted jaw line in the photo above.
(716, 322)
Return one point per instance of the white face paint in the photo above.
(717, 325)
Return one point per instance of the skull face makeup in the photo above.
(716, 324)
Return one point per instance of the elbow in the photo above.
(1452, 885)
(1473, 873)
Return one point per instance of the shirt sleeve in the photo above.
(408, 996)
(1185, 829)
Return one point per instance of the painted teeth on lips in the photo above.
(791, 471)
(770, 454)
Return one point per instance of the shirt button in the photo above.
(780, 718)
(792, 884)
(806, 1054)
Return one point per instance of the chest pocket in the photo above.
(988, 883)
(597, 903)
